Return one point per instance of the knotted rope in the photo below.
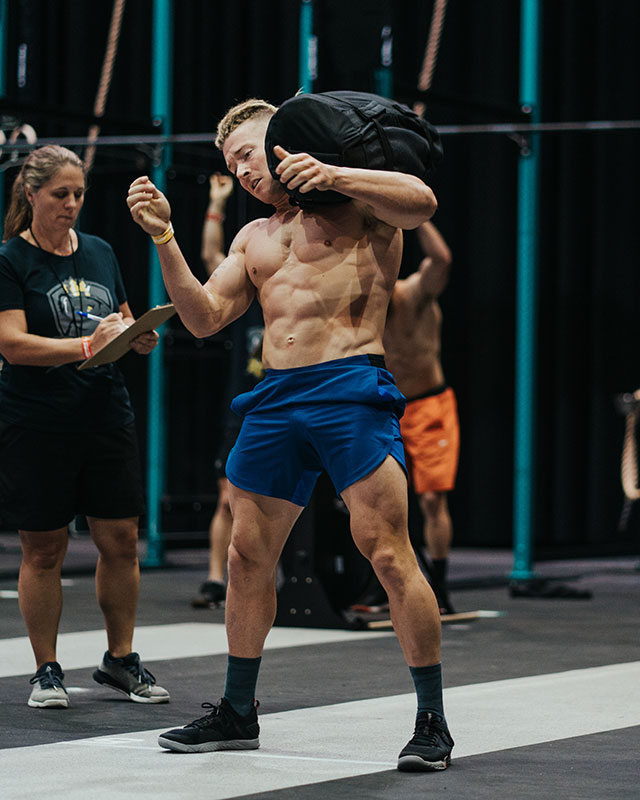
(105, 78)
(431, 52)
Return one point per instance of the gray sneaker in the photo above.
(48, 689)
(127, 675)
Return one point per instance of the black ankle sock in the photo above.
(439, 571)
(428, 683)
(242, 677)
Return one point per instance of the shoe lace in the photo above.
(140, 673)
(49, 679)
(203, 722)
(429, 731)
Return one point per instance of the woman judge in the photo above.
(67, 437)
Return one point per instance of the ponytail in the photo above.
(19, 214)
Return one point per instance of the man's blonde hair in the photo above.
(240, 113)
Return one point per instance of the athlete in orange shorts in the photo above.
(430, 423)
(431, 436)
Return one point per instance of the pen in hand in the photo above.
(86, 315)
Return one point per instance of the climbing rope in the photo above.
(629, 466)
(431, 52)
(105, 79)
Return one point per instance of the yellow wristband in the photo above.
(163, 238)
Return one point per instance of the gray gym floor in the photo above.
(542, 695)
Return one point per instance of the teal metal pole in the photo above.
(526, 300)
(161, 108)
(4, 27)
(307, 48)
(384, 73)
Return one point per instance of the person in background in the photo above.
(430, 429)
(246, 370)
(67, 437)
(212, 248)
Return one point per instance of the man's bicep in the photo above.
(229, 281)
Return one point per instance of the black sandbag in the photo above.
(352, 129)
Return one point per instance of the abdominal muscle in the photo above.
(324, 293)
(313, 341)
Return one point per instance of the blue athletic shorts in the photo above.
(341, 416)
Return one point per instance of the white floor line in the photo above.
(161, 642)
(311, 745)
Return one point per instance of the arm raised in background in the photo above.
(212, 249)
(204, 310)
(435, 267)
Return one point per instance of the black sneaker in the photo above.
(211, 593)
(221, 729)
(48, 687)
(430, 747)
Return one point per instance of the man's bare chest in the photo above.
(307, 253)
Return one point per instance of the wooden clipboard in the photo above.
(116, 348)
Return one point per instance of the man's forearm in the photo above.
(401, 200)
(212, 250)
(195, 306)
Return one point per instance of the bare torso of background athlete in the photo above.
(413, 332)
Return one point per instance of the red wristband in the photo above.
(214, 216)
(86, 347)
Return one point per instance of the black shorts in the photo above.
(48, 478)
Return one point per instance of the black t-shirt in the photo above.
(50, 289)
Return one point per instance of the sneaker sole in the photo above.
(209, 747)
(104, 680)
(52, 703)
(416, 764)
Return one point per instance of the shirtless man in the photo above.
(324, 277)
(429, 426)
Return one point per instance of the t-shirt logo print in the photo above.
(71, 296)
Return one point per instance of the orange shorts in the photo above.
(431, 436)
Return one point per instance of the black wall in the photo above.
(588, 238)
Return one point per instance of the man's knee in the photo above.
(390, 562)
(43, 551)
(433, 503)
(43, 560)
(116, 539)
(243, 559)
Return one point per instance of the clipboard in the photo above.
(116, 348)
